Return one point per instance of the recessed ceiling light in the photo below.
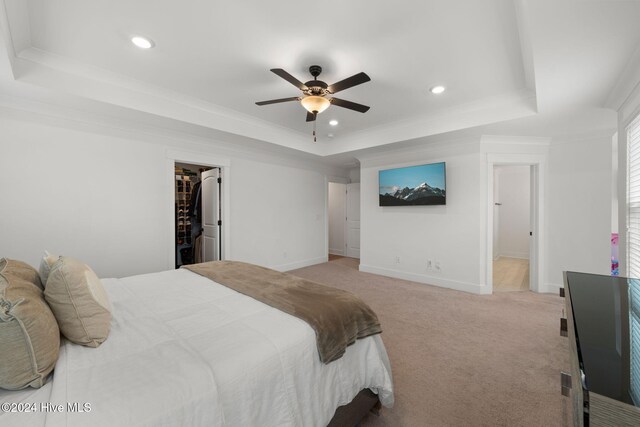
(333, 122)
(142, 42)
(437, 89)
(330, 135)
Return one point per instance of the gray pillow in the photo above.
(29, 334)
(79, 302)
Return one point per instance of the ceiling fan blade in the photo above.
(275, 101)
(288, 77)
(352, 81)
(311, 117)
(350, 105)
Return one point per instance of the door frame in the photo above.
(537, 174)
(175, 156)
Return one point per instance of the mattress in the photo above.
(184, 350)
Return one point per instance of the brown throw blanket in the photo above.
(338, 317)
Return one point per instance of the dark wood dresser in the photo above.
(603, 328)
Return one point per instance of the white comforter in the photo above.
(186, 351)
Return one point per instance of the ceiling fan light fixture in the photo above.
(315, 104)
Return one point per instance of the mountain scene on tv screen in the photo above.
(423, 194)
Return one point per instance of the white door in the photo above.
(496, 213)
(210, 194)
(533, 233)
(337, 218)
(353, 220)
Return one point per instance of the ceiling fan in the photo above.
(315, 92)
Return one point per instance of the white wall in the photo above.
(447, 234)
(354, 175)
(337, 215)
(513, 194)
(576, 207)
(277, 215)
(102, 198)
(579, 207)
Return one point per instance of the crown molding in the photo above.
(627, 84)
(482, 112)
(55, 115)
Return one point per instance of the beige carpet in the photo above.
(460, 359)
(510, 274)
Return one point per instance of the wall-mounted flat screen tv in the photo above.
(413, 185)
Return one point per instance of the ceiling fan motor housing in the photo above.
(315, 87)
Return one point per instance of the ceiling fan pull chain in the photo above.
(314, 126)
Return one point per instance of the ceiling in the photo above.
(509, 66)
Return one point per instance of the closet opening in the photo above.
(198, 213)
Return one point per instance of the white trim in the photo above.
(300, 264)
(339, 252)
(626, 84)
(191, 157)
(473, 288)
(550, 288)
(539, 161)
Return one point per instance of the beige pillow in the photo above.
(29, 334)
(79, 302)
(46, 263)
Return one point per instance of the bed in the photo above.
(185, 350)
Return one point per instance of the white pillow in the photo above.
(46, 263)
(79, 302)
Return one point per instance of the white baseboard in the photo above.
(429, 280)
(550, 288)
(300, 264)
(339, 252)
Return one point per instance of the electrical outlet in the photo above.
(397, 260)
(429, 264)
(438, 266)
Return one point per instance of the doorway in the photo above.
(511, 227)
(198, 213)
(343, 204)
(537, 176)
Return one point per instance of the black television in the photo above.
(413, 185)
